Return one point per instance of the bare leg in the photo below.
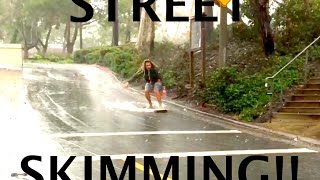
(147, 94)
(158, 96)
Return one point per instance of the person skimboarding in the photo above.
(153, 80)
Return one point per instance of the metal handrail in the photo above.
(305, 73)
(272, 77)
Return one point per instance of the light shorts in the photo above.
(150, 87)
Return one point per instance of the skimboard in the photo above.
(154, 109)
(160, 110)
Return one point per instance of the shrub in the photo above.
(235, 91)
(123, 60)
(172, 58)
(51, 58)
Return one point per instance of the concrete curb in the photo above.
(288, 136)
(309, 141)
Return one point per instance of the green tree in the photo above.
(296, 24)
(258, 13)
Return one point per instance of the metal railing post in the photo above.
(272, 97)
(306, 49)
(281, 91)
(306, 67)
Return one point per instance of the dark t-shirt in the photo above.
(152, 76)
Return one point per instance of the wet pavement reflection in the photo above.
(80, 110)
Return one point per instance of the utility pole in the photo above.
(203, 52)
(223, 37)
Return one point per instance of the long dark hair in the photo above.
(147, 61)
(153, 66)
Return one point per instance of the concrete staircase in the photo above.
(304, 104)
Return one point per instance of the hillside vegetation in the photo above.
(239, 87)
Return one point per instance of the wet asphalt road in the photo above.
(75, 110)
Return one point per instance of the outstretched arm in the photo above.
(134, 76)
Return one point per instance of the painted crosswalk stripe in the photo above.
(208, 153)
(141, 133)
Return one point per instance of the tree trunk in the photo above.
(153, 29)
(46, 44)
(25, 52)
(38, 49)
(64, 44)
(128, 35)
(70, 42)
(208, 10)
(80, 34)
(115, 30)
(128, 31)
(68, 35)
(69, 48)
(262, 20)
(145, 42)
(307, 5)
(25, 30)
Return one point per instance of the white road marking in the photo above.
(141, 133)
(61, 109)
(205, 153)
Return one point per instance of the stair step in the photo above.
(313, 85)
(302, 104)
(305, 97)
(301, 110)
(309, 91)
(317, 74)
(296, 116)
(314, 80)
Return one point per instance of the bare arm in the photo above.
(135, 75)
